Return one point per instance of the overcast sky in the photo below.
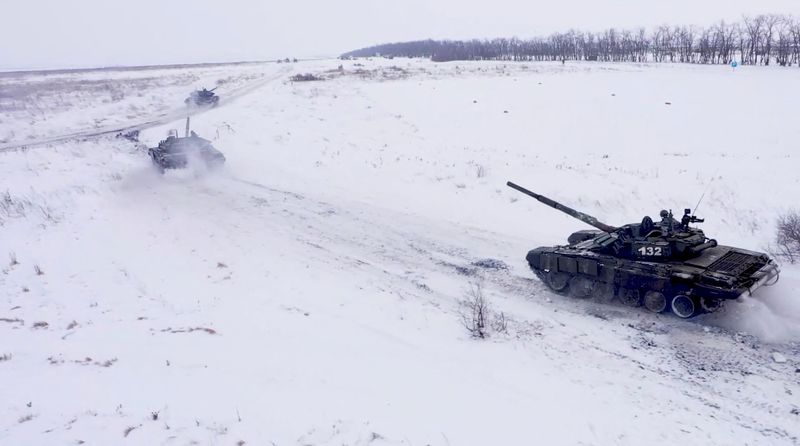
(85, 33)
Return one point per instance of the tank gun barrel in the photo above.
(588, 219)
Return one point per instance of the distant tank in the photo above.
(176, 153)
(202, 97)
(661, 265)
(130, 135)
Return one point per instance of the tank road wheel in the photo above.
(655, 301)
(558, 282)
(582, 287)
(630, 297)
(603, 292)
(710, 305)
(683, 306)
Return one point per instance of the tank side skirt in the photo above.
(621, 275)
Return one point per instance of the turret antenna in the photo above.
(694, 212)
(698, 202)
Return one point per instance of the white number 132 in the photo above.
(650, 250)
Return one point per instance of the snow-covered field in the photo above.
(43, 106)
(311, 292)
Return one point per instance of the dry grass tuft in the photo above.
(128, 430)
(25, 419)
(210, 331)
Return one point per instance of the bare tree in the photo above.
(783, 42)
(741, 39)
(788, 236)
(794, 31)
(771, 23)
(754, 27)
(477, 316)
(684, 40)
(725, 42)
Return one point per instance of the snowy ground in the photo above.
(44, 106)
(311, 292)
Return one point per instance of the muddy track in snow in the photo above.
(142, 124)
(426, 246)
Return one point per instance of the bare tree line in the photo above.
(756, 40)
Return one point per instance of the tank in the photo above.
(202, 97)
(176, 152)
(664, 265)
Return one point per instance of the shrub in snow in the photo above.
(478, 318)
(25, 419)
(308, 77)
(475, 315)
(788, 236)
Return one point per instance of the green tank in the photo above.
(202, 97)
(661, 265)
(176, 152)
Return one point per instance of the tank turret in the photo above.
(668, 239)
(664, 264)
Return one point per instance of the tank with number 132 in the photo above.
(661, 265)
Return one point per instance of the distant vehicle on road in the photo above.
(202, 98)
